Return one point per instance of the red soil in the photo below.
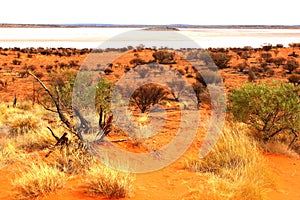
(286, 174)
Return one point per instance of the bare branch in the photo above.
(84, 124)
(57, 138)
(55, 101)
(45, 107)
(122, 140)
(105, 131)
(61, 142)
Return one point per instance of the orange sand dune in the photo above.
(286, 174)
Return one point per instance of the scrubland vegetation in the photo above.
(41, 141)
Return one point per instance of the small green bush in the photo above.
(269, 108)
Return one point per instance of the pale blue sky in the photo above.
(209, 12)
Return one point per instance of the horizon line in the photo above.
(139, 25)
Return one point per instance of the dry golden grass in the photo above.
(102, 180)
(10, 154)
(234, 169)
(21, 124)
(38, 180)
(72, 160)
(26, 129)
(280, 148)
(34, 141)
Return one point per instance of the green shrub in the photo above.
(269, 108)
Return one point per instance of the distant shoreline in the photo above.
(154, 27)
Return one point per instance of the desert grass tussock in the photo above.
(37, 180)
(102, 180)
(234, 169)
(9, 153)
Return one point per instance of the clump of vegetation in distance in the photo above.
(164, 57)
(221, 59)
(295, 79)
(291, 65)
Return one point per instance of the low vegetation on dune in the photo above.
(234, 169)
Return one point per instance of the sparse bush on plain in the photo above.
(211, 77)
(137, 61)
(148, 95)
(221, 59)
(104, 90)
(142, 71)
(242, 66)
(164, 57)
(291, 65)
(279, 61)
(295, 79)
(267, 57)
(16, 62)
(267, 47)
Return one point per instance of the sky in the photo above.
(151, 12)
